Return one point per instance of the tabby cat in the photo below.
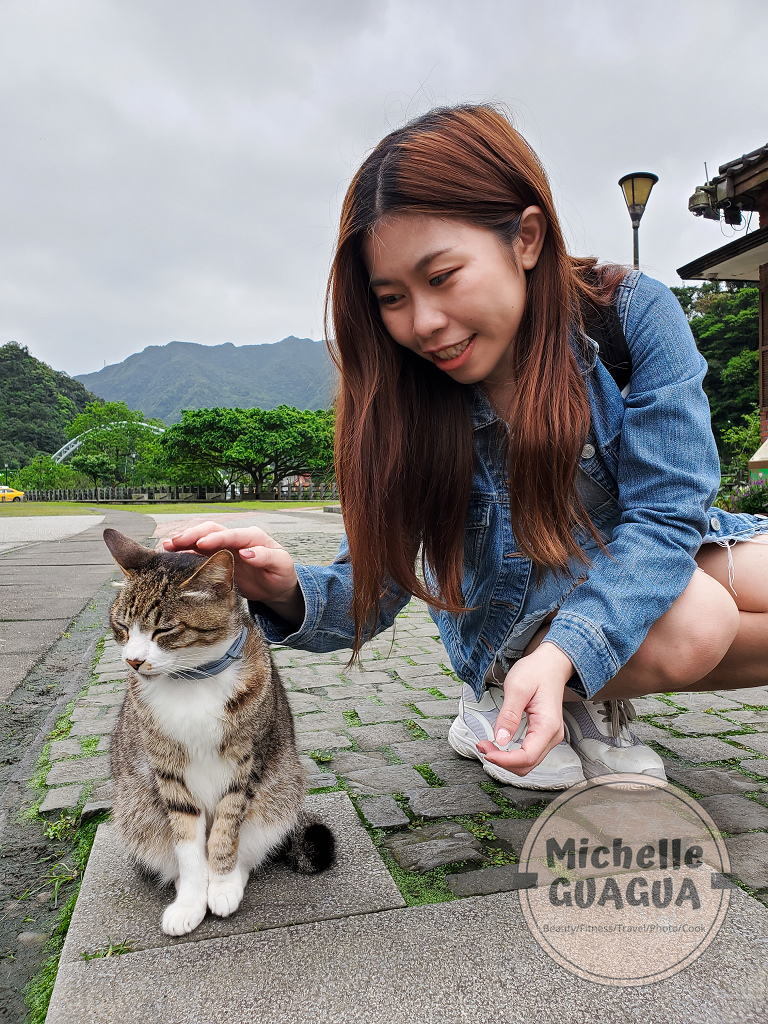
(208, 783)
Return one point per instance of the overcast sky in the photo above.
(173, 169)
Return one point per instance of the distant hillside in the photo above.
(163, 380)
(36, 403)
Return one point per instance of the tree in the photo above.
(111, 435)
(742, 441)
(95, 465)
(256, 443)
(724, 321)
(36, 403)
(43, 474)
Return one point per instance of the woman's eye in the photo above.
(389, 300)
(435, 282)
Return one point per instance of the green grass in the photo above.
(37, 993)
(90, 508)
(47, 508)
(426, 773)
(417, 889)
(415, 730)
(113, 949)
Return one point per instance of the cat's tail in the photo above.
(311, 846)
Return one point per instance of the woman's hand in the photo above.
(264, 571)
(535, 685)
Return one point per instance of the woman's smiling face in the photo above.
(451, 292)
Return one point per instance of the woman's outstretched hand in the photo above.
(533, 685)
(264, 571)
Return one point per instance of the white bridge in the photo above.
(71, 446)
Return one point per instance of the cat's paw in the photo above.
(225, 893)
(183, 916)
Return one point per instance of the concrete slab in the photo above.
(31, 637)
(713, 781)
(28, 529)
(116, 901)
(722, 701)
(701, 749)
(418, 965)
(755, 741)
(58, 577)
(732, 812)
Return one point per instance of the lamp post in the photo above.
(6, 474)
(637, 187)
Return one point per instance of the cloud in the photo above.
(175, 170)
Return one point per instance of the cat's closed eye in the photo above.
(165, 629)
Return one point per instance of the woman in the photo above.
(571, 556)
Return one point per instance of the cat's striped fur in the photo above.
(208, 783)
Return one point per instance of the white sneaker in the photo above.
(601, 737)
(560, 769)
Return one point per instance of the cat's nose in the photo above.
(135, 662)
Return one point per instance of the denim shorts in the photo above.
(725, 529)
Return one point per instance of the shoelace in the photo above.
(619, 713)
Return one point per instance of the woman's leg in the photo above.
(710, 639)
(745, 663)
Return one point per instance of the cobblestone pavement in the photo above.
(379, 732)
(438, 828)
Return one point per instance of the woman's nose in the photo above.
(427, 318)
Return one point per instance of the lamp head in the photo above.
(636, 188)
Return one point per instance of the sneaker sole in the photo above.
(595, 769)
(463, 740)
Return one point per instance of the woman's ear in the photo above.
(533, 229)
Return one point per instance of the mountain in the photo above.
(164, 379)
(36, 404)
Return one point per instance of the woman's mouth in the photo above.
(456, 355)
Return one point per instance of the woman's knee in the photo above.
(692, 637)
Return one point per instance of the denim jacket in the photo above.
(650, 465)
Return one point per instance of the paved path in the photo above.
(420, 920)
(44, 585)
(16, 531)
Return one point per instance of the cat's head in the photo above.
(175, 610)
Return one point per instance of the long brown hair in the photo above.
(404, 450)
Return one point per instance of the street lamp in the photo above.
(6, 474)
(637, 187)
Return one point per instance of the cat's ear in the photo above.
(217, 575)
(129, 554)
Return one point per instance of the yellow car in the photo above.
(10, 494)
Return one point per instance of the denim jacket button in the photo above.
(588, 451)
(714, 522)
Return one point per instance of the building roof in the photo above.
(760, 459)
(742, 162)
(739, 260)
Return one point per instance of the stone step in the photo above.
(472, 960)
(116, 904)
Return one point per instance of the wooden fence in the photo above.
(145, 495)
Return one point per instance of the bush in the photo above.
(753, 498)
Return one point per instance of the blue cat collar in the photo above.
(213, 668)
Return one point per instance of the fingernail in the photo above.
(503, 736)
(247, 552)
